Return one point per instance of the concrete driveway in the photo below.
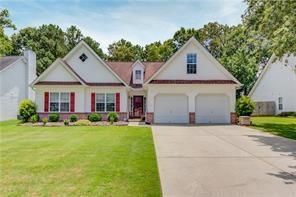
(224, 161)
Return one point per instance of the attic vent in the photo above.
(83, 57)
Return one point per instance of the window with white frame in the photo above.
(105, 102)
(191, 63)
(138, 74)
(59, 101)
(280, 103)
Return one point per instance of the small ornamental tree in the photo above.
(245, 106)
(27, 109)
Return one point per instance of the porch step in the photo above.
(134, 120)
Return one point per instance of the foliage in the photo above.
(72, 37)
(34, 118)
(5, 42)
(183, 35)
(95, 117)
(285, 114)
(54, 117)
(66, 122)
(44, 121)
(123, 50)
(73, 118)
(27, 109)
(82, 122)
(95, 46)
(112, 116)
(245, 106)
(275, 20)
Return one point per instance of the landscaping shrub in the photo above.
(34, 118)
(112, 117)
(245, 106)
(73, 118)
(27, 109)
(94, 117)
(287, 113)
(82, 123)
(54, 117)
(66, 122)
(44, 121)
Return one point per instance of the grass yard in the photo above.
(285, 127)
(77, 161)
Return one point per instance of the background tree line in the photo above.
(267, 27)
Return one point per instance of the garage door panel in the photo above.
(171, 108)
(212, 109)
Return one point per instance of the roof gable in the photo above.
(93, 69)
(8, 61)
(208, 68)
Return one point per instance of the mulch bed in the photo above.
(59, 124)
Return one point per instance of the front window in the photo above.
(59, 102)
(138, 74)
(105, 102)
(280, 103)
(191, 63)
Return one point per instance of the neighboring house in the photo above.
(16, 74)
(191, 87)
(277, 84)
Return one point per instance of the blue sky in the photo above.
(140, 22)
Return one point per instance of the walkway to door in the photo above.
(224, 161)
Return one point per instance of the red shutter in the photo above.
(93, 102)
(46, 102)
(117, 100)
(72, 100)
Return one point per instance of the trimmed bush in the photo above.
(27, 109)
(287, 113)
(34, 118)
(54, 117)
(66, 122)
(245, 106)
(112, 117)
(44, 121)
(82, 122)
(73, 118)
(94, 117)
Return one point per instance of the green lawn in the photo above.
(285, 127)
(77, 161)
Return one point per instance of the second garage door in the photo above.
(212, 108)
(171, 108)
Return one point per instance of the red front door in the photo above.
(138, 106)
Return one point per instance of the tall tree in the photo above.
(157, 51)
(5, 42)
(123, 50)
(95, 46)
(72, 36)
(47, 41)
(274, 19)
(183, 35)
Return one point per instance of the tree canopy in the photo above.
(5, 42)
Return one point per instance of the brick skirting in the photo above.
(149, 117)
(121, 115)
(191, 117)
(233, 118)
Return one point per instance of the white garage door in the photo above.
(212, 109)
(171, 108)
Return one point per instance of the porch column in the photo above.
(150, 106)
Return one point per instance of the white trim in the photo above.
(105, 102)
(210, 57)
(59, 111)
(13, 63)
(138, 62)
(83, 43)
(51, 67)
(271, 59)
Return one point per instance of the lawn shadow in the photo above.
(284, 130)
(286, 147)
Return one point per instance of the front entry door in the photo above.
(138, 106)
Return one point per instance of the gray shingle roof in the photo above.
(8, 60)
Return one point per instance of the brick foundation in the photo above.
(191, 117)
(121, 115)
(233, 118)
(149, 117)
